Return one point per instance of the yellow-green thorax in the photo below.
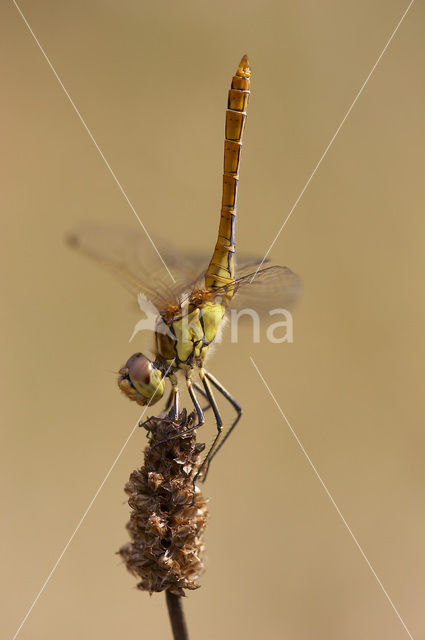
(190, 332)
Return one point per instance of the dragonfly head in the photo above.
(141, 380)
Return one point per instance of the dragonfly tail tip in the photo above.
(244, 69)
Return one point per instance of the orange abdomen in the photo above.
(221, 270)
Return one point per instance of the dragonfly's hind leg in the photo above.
(238, 410)
(219, 422)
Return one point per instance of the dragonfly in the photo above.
(192, 311)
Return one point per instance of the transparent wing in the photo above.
(272, 288)
(130, 256)
(245, 264)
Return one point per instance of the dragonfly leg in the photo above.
(203, 394)
(238, 409)
(199, 413)
(219, 423)
(174, 411)
(168, 404)
(198, 409)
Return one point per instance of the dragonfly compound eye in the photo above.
(139, 368)
(140, 380)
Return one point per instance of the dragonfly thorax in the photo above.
(185, 337)
(182, 341)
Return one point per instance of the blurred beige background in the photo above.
(151, 80)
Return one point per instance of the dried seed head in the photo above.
(166, 548)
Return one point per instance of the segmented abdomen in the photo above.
(221, 270)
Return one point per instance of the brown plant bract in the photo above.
(166, 548)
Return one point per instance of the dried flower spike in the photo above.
(166, 548)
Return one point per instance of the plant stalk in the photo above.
(177, 619)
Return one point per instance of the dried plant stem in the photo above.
(177, 619)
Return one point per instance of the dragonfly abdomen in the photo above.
(221, 270)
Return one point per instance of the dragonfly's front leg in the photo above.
(168, 404)
(198, 409)
(174, 411)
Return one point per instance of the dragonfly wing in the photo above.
(246, 264)
(270, 288)
(130, 256)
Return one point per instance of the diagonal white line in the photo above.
(333, 138)
(331, 499)
(92, 138)
(99, 489)
(47, 580)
